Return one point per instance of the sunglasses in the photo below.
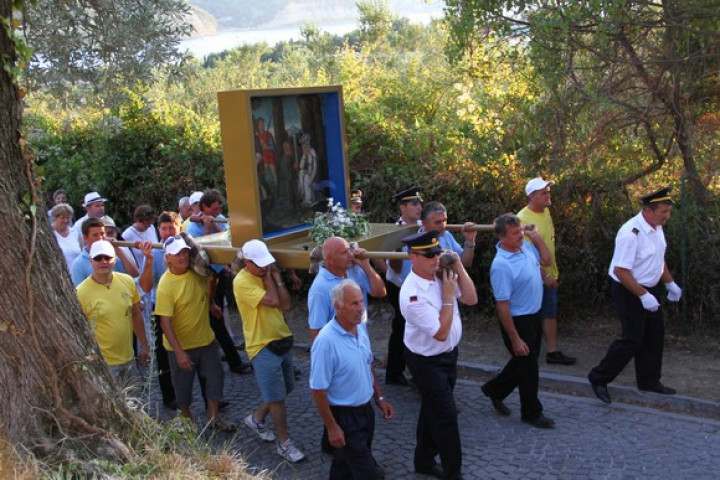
(102, 258)
(429, 254)
(172, 239)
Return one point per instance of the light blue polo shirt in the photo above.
(516, 277)
(447, 242)
(320, 306)
(340, 364)
(197, 229)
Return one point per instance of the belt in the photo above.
(350, 408)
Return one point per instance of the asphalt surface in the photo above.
(640, 435)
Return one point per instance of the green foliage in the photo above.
(16, 64)
(142, 152)
(628, 66)
(106, 43)
(470, 134)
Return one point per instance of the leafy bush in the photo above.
(141, 153)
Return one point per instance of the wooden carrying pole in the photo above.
(211, 249)
(474, 228)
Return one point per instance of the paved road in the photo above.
(591, 439)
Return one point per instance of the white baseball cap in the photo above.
(102, 247)
(93, 197)
(173, 245)
(108, 221)
(257, 252)
(537, 184)
(195, 197)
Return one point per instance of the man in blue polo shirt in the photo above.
(342, 383)
(341, 262)
(434, 217)
(516, 280)
(93, 229)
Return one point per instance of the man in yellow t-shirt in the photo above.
(182, 303)
(537, 212)
(111, 302)
(261, 298)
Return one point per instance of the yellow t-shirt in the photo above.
(261, 324)
(184, 298)
(108, 308)
(544, 224)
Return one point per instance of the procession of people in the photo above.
(177, 311)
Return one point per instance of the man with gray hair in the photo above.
(434, 217)
(342, 383)
(184, 208)
(516, 279)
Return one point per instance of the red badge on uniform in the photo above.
(413, 298)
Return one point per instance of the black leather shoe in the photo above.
(241, 369)
(497, 404)
(433, 471)
(397, 380)
(222, 404)
(560, 358)
(540, 422)
(601, 391)
(659, 388)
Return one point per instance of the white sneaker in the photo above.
(289, 452)
(259, 428)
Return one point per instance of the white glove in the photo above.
(674, 292)
(649, 302)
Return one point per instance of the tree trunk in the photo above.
(59, 399)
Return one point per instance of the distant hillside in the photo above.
(222, 15)
(203, 21)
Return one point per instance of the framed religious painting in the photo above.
(285, 154)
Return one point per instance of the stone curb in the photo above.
(580, 387)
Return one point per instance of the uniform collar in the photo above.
(643, 224)
(423, 283)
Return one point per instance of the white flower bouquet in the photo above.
(338, 222)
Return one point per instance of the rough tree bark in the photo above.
(58, 396)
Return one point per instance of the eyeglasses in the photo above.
(102, 258)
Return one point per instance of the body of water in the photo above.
(200, 47)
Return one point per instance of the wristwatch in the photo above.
(379, 399)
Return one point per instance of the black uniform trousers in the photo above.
(437, 427)
(396, 346)
(355, 459)
(163, 364)
(643, 337)
(521, 372)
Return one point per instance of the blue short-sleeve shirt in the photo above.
(516, 277)
(320, 306)
(341, 364)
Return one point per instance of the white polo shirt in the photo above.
(640, 248)
(420, 304)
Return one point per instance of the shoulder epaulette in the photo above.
(635, 231)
